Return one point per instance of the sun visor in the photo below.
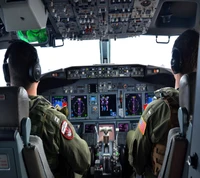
(23, 14)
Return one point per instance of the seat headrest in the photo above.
(187, 92)
(14, 106)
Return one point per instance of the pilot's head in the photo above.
(185, 52)
(21, 65)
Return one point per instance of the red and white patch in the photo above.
(66, 130)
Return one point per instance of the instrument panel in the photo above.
(103, 100)
(95, 101)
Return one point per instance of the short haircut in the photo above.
(21, 56)
(187, 43)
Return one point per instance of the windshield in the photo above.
(137, 50)
(142, 50)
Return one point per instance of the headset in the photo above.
(176, 61)
(34, 70)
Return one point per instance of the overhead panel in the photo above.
(102, 19)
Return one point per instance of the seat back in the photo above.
(187, 92)
(21, 155)
(178, 138)
(35, 159)
(13, 108)
(174, 155)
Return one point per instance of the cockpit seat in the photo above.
(21, 155)
(177, 143)
(187, 92)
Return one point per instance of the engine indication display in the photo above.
(123, 127)
(133, 104)
(79, 106)
(89, 128)
(108, 105)
(60, 101)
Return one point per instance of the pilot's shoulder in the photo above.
(60, 123)
(50, 112)
(54, 115)
(166, 91)
(156, 107)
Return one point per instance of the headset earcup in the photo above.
(35, 73)
(6, 72)
(176, 62)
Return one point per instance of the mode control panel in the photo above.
(105, 72)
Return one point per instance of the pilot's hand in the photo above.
(63, 110)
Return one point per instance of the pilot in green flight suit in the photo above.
(68, 155)
(146, 144)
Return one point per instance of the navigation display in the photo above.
(59, 101)
(79, 106)
(89, 128)
(108, 105)
(123, 127)
(103, 128)
(133, 104)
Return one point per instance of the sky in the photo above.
(136, 50)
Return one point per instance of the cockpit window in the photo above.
(142, 50)
(137, 50)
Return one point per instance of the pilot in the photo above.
(68, 155)
(146, 145)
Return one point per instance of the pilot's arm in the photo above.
(151, 128)
(73, 150)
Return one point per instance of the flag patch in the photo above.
(142, 125)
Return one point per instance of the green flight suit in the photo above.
(66, 152)
(156, 121)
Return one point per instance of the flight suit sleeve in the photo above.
(150, 129)
(72, 148)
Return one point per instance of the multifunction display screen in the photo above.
(89, 128)
(79, 106)
(59, 101)
(123, 127)
(133, 104)
(108, 105)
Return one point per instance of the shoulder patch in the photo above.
(142, 125)
(66, 130)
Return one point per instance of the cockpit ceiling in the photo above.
(113, 19)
